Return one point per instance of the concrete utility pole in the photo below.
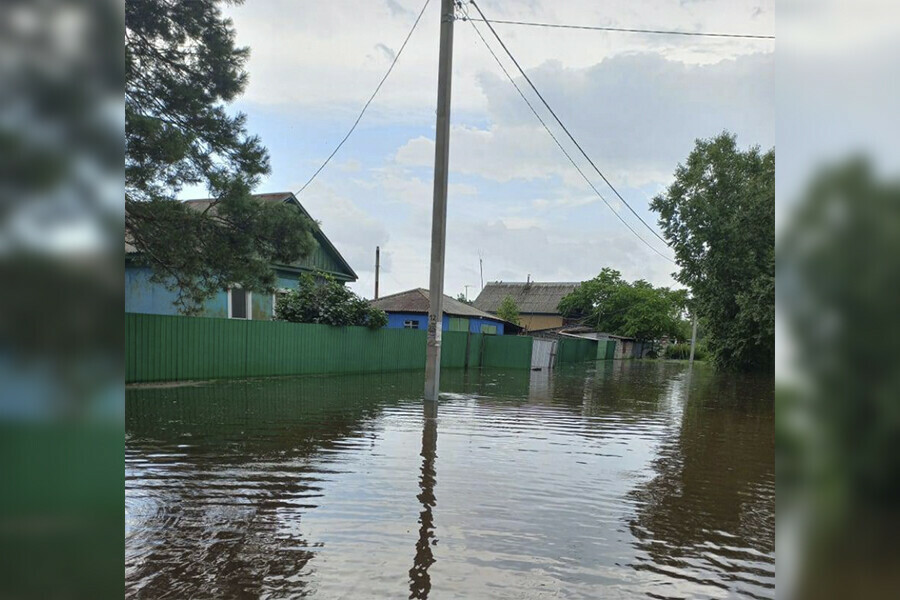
(439, 208)
(481, 271)
(467, 286)
(693, 338)
(377, 268)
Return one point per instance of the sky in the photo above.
(635, 102)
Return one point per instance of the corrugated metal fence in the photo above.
(573, 350)
(170, 348)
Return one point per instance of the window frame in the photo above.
(411, 324)
(248, 304)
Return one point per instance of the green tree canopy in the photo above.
(320, 298)
(509, 310)
(638, 309)
(182, 67)
(462, 298)
(719, 217)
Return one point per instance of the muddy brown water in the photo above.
(607, 480)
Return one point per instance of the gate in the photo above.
(542, 354)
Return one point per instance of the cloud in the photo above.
(635, 103)
(387, 52)
(636, 116)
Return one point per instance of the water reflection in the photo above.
(707, 516)
(419, 580)
(607, 480)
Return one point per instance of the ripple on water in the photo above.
(622, 480)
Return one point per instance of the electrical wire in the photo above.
(369, 101)
(559, 144)
(746, 36)
(564, 128)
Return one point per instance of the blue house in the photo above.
(409, 310)
(144, 296)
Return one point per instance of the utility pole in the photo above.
(439, 207)
(481, 271)
(377, 268)
(693, 338)
(467, 286)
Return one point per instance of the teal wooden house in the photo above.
(145, 296)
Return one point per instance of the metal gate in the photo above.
(542, 354)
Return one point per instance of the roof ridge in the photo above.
(392, 295)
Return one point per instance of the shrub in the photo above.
(683, 352)
(321, 299)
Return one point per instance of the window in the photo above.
(489, 329)
(410, 324)
(459, 324)
(238, 303)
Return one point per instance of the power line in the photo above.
(369, 101)
(564, 128)
(746, 36)
(559, 144)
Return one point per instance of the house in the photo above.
(145, 296)
(409, 310)
(537, 301)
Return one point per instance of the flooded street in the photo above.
(609, 480)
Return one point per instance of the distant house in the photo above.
(537, 301)
(144, 296)
(410, 310)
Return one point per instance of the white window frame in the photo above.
(249, 303)
(283, 290)
(416, 321)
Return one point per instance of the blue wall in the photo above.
(395, 321)
(144, 296)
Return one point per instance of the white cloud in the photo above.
(637, 116)
(635, 103)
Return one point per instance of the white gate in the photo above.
(542, 354)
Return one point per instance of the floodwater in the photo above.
(610, 480)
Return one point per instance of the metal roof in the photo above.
(277, 197)
(531, 297)
(417, 301)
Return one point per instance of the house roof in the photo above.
(531, 297)
(417, 301)
(340, 266)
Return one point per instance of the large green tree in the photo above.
(719, 217)
(613, 305)
(182, 68)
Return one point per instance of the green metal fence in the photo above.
(573, 350)
(171, 348)
(507, 351)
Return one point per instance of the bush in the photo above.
(683, 352)
(327, 301)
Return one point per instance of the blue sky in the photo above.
(635, 102)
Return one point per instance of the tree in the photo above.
(462, 298)
(836, 432)
(509, 310)
(719, 217)
(611, 304)
(182, 67)
(320, 298)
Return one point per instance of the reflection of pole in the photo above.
(693, 338)
(419, 579)
(439, 208)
